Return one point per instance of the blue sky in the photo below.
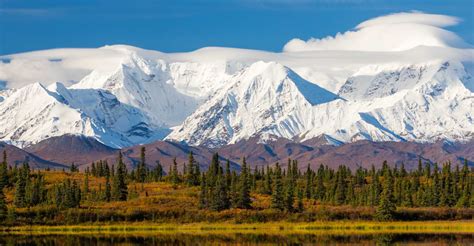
(173, 26)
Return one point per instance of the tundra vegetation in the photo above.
(109, 193)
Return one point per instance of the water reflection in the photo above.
(239, 239)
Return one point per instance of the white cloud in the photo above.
(412, 17)
(394, 32)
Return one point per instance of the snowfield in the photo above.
(400, 77)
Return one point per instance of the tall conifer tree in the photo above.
(244, 189)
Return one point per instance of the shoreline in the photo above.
(319, 227)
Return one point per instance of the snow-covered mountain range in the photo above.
(420, 88)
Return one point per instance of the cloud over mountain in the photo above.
(394, 32)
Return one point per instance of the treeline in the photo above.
(220, 188)
(387, 188)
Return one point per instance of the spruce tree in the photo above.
(278, 201)
(108, 189)
(141, 169)
(3, 206)
(386, 208)
(69, 193)
(58, 195)
(213, 170)
(234, 189)
(350, 196)
(244, 188)
(435, 187)
(320, 189)
(375, 190)
(119, 187)
(85, 184)
(228, 174)
(36, 191)
(203, 195)
(192, 173)
(174, 174)
(158, 172)
(300, 206)
(4, 171)
(20, 187)
(420, 167)
(340, 190)
(76, 192)
(73, 168)
(290, 194)
(309, 183)
(267, 185)
(465, 198)
(220, 198)
(189, 174)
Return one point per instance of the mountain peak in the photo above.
(122, 95)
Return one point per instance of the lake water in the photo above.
(239, 239)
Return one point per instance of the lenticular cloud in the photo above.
(395, 32)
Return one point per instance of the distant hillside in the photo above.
(70, 149)
(83, 151)
(17, 156)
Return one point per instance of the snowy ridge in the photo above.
(382, 111)
(121, 95)
(265, 98)
(34, 113)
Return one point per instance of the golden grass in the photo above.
(172, 205)
(316, 228)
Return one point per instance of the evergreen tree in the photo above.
(74, 168)
(220, 199)
(213, 170)
(278, 201)
(464, 200)
(420, 167)
(267, 181)
(197, 174)
(189, 173)
(58, 195)
(174, 174)
(290, 193)
(76, 191)
(234, 189)
(203, 195)
(320, 189)
(427, 171)
(309, 183)
(228, 174)
(158, 172)
(3, 205)
(300, 206)
(244, 189)
(350, 196)
(119, 187)
(85, 188)
(192, 173)
(4, 171)
(36, 191)
(386, 208)
(20, 187)
(340, 190)
(108, 189)
(375, 190)
(141, 169)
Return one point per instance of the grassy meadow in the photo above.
(160, 206)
